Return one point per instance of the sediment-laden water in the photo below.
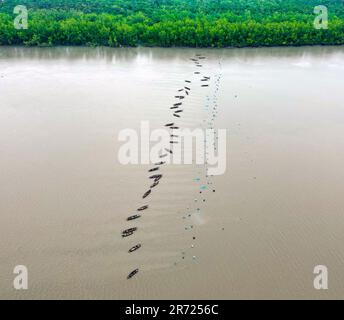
(256, 231)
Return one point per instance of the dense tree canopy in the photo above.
(196, 23)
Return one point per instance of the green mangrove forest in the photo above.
(167, 23)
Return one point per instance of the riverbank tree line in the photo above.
(166, 23)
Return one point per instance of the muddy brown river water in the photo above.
(64, 197)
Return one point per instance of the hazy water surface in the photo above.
(276, 213)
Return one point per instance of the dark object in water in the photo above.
(134, 248)
(169, 124)
(156, 177)
(146, 194)
(178, 104)
(153, 169)
(187, 88)
(188, 81)
(172, 142)
(168, 150)
(174, 136)
(178, 111)
(159, 163)
(175, 107)
(154, 184)
(133, 217)
(187, 93)
(175, 128)
(142, 208)
(181, 97)
(180, 90)
(205, 85)
(176, 115)
(163, 155)
(124, 235)
(129, 230)
(197, 72)
(131, 274)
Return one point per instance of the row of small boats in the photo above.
(156, 178)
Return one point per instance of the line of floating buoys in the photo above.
(187, 89)
(212, 112)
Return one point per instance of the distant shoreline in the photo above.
(171, 47)
(172, 23)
